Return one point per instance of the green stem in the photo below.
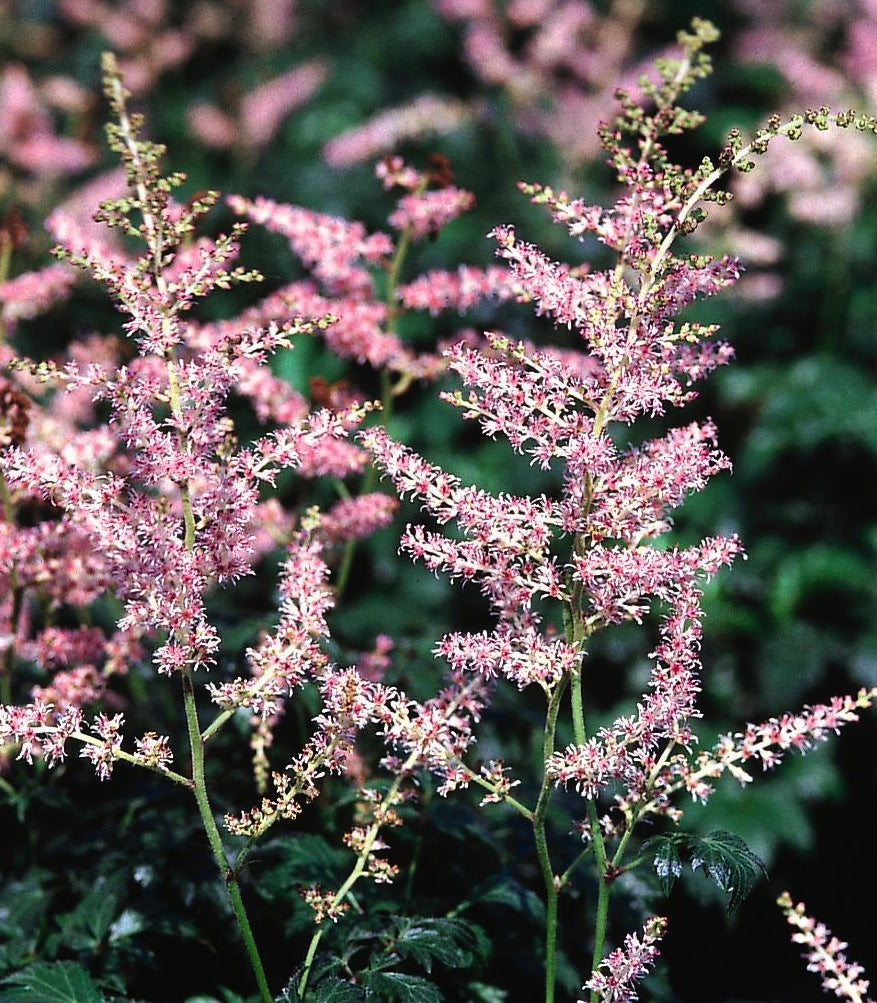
(541, 837)
(380, 814)
(508, 799)
(604, 891)
(196, 743)
(357, 871)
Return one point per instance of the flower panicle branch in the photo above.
(615, 980)
(766, 744)
(825, 954)
(40, 730)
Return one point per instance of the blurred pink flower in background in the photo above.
(28, 139)
(137, 31)
(426, 115)
(260, 112)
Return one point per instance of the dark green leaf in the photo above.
(667, 864)
(334, 990)
(60, 982)
(723, 856)
(402, 988)
(451, 942)
(509, 892)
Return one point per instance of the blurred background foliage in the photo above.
(114, 875)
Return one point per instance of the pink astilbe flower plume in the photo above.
(825, 954)
(346, 263)
(260, 111)
(557, 62)
(614, 981)
(28, 136)
(427, 115)
(614, 502)
(176, 517)
(557, 568)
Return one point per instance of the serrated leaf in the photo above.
(59, 982)
(667, 864)
(22, 907)
(333, 990)
(451, 942)
(402, 988)
(722, 855)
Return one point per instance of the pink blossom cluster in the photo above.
(766, 744)
(423, 212)
(31, 293)
(153, 36)
(615, 981)
(825, 954)
(260, 112)
(37, 730)
(345, 263)
(161, 504)
(29, 135)
(41, 730)
(613, 502)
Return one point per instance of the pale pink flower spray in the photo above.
(167, 502)
(179, 518)
(557, 570)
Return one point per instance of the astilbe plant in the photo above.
(162, 504)
(556, 570)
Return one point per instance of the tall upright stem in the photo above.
(541, 836)
(214, 838)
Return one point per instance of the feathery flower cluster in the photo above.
(436, 734)
(609, 755)
(343, 260)
(422, 212)
(614, 981)
(28, 135)
(31, 293)
(558, 61)
(260, 111)
(613, 502)
(767, 743)
(177, 515)
(38, 730)
(825, 954)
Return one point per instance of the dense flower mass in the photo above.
(614, 982)
(148, 476)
